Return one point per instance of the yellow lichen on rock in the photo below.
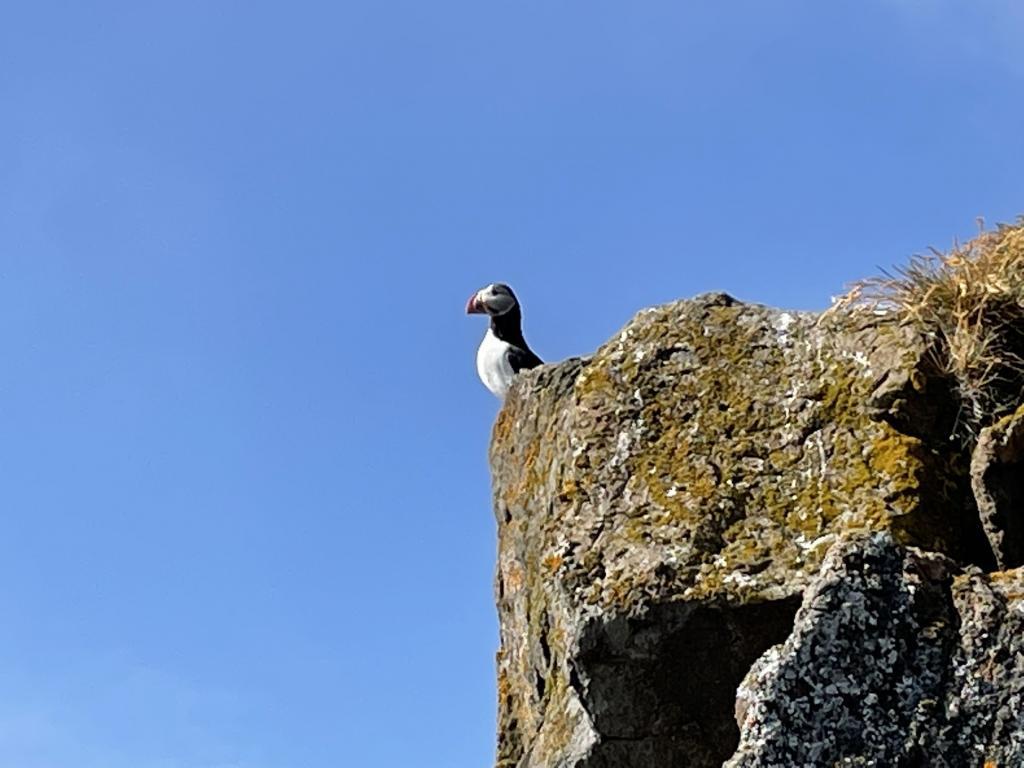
(708, 454)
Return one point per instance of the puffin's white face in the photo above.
(495, 299)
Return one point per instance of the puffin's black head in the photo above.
(494, 300)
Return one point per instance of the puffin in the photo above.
(504, 352)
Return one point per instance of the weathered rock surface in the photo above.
(997, 474)
(891, 662)
(665, 505)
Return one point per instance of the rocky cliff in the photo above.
(742, 536)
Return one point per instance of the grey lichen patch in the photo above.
(985, 703)
(895, 659)
(861, 676)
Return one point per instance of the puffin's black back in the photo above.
(509, 328)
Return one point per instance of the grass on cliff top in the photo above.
(971, 301)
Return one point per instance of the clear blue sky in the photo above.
(243, 481)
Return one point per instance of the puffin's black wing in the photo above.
(521, 359)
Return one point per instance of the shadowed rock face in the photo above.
(997, 473)
(664, 505)
(660, 689)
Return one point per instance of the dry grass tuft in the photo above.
(971, 301)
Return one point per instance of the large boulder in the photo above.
(663, 506)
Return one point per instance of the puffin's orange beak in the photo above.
(474, 306)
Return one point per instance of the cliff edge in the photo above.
(739, 535)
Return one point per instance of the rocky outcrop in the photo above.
(893, 660)
(997, 473)
(726, 496)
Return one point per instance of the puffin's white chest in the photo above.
(492, 364)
